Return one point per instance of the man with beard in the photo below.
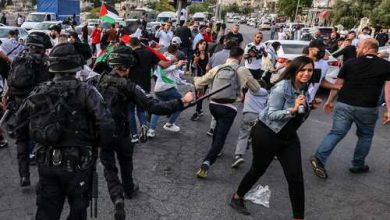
(361, 81)
(55, 31)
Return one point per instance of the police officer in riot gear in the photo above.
(66, 118)
(20, 84)
(118, 91)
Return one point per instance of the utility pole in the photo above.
(296, 11)
(179, 6)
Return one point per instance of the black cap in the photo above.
(316, 43)
(55, 27)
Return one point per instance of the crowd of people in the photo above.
(61, 108)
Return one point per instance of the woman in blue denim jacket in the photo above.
(275, 134)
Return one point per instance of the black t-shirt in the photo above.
(364, 78)
(348, 52)
(184, 33)
(235, 37)
(140, 74)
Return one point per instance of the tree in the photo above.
(288, 7)
(348, 13)
(163, 5)
(380, 15)
(94, 13)
(199, 7)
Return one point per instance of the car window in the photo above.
(293, 48)
(4, 33)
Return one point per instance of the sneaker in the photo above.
(200, 114)
(220, 154)
(32, 160)
(318, 168)
(132, 193)
(171, 127)
(120, 213)
(134, 139)
(3, 143)
(202, 172)
(239, 206)
(237, 161)
(25, 181)
(195, 117)
(210, 132)
(151, 133)
(356, 170)
(143, 136)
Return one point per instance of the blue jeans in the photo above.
(166, 95)
(344, 115)
(131, 117)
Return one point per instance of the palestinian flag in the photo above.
(108, 14)
(103, 55)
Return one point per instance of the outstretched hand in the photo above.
(187, 98)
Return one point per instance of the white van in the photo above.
(200, 17)
(166, 16)
(35, 18)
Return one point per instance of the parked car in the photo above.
(44, 26)
(265, 26)
(290, 49)
(325, 31)
(4, 30)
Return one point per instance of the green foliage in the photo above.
(246, 10)
(230, 8)
(381, 15)
(199, 7)
(288, 7)
(94, 13)
(348, 13)
(163, 5)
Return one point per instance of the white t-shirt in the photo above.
(253, 63)
(362, 37)
(19, 21)
(282, 35)
(323, 65)
(165, 37)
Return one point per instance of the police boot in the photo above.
(120, 213)
(25, 181)
(133, 192)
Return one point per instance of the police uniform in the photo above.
(19, 89)
(118, 92)
(65, 163)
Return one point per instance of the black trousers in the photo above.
(23, 150)
(265, 145)
(225, 117)
(256, 73)
(123, 148)
(56, 184)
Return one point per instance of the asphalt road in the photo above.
(165, 168)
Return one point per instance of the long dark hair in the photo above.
(206, 49)
(294, 67)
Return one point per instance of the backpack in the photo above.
(226, 74)
(25, 73)
(50, 112)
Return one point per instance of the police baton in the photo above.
(5, 117)
(207, 96)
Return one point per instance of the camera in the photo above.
(258, 52)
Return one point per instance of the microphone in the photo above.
(303, 90)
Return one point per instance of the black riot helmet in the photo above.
(39, 39)
(64, 58)
(123, 56)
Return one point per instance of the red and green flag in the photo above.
(103, 55)
(108, 14)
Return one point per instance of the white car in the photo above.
(290, 49)
(44, 26)
(4, 30)
(265, 26)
